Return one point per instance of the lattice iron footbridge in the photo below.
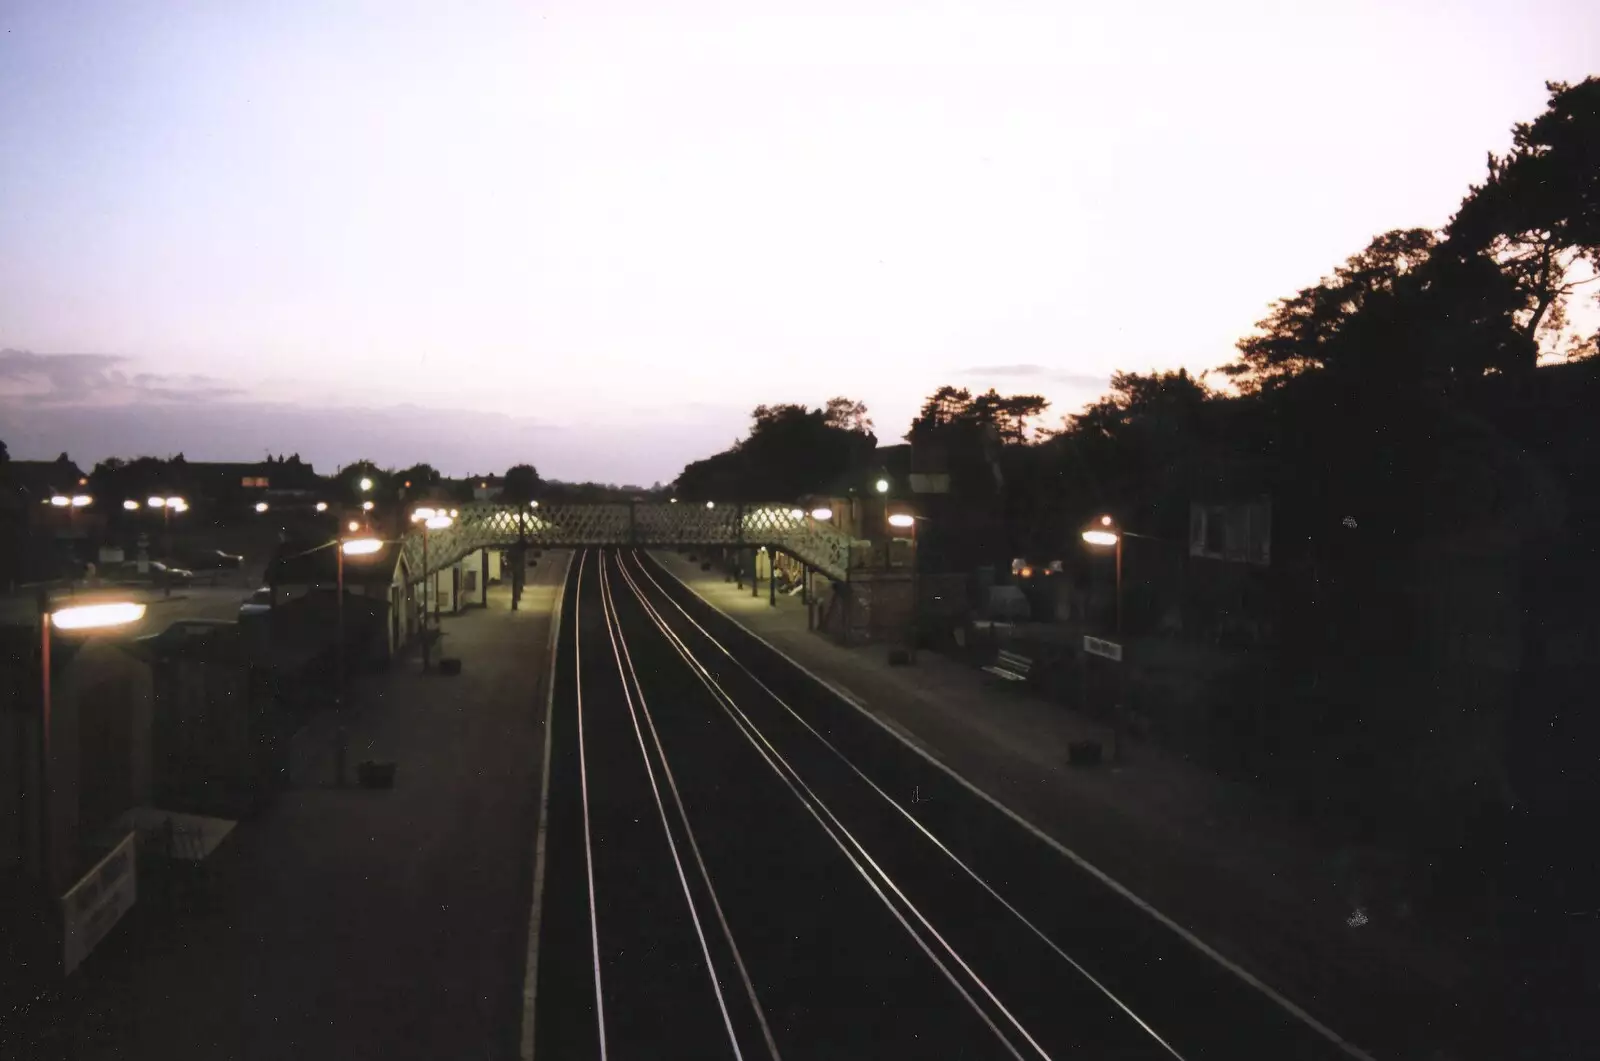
(638, 523)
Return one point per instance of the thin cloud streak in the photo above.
(1041, 373)
(86, 405)
(58, 380)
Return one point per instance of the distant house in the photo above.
(228, 483)
(38, 481)
(487, 487)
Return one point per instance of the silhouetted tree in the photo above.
(521, 484)
(348, 481)
(1318, 326)
(139, 478)
(790, 451)
(420, 476)
(1537, 216)
(944, 407)
(847, 414)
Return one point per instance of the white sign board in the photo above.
(98, 902)
(1098, 647)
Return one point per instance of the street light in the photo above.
(366, 506)
(711, 504)
(349, 547)
(96, 616)
(431, 520)
(130, 505)
(75, 618)
(261, 506)
(882, 486)
(1105, 534)
(365, 484)
(167, 505)
(903, 520)
(322, 506)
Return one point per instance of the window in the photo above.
(1236, 532)
(254, 482)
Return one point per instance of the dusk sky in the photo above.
(593, 235)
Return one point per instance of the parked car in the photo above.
(258, 603)
(213, 560)
(182, 630)
(156, 573)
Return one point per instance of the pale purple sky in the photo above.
(593, 235)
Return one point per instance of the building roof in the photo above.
(43, 478)
(280, 475)
(303, 565)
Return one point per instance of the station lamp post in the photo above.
(349, 547)
(78, 618)
(431, 520)
(1105, 534)
(904, 521)
(71, 503)
(167, 505)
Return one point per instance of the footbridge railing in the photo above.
(640, 523)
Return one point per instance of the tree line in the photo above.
(1421, 421)
(1353, 382)
(146, 476)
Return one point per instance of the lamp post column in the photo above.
(1120, 536)
(339, 701)
(425, 588)
(46, 849)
